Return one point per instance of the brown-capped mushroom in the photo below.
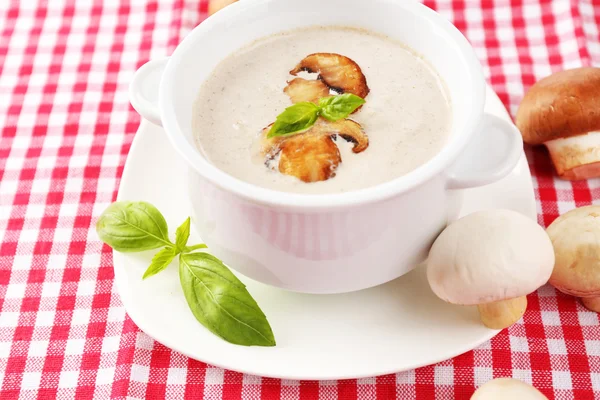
(338, 72)
(300, 90)
(507, 389)
(491, 259)
(313, 155)
(576, 240)
(562, 111)
(216, 5)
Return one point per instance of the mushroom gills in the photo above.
(502, 314)
(576, 157)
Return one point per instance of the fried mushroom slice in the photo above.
(310, 157)
(339, 72)
(313, 155)
(349, 130)
(300, 90)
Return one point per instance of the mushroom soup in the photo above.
(404, 122)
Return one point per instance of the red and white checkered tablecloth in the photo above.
(65, 130)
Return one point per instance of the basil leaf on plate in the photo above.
(221, 303)
(133, 226)
(160, 261)
(218, 300)
(182, 234)
(295, 119)
(338, 107)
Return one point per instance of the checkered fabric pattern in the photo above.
(66, 127)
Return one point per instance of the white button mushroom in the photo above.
(491, 259)
(576, 239)
(507, 388)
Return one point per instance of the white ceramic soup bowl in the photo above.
(328, 243)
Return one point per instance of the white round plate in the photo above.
(394, 327)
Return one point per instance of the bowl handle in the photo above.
(143, 90)
(492, 154)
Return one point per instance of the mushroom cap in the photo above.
(489, 256)
(561, 105)
(507, 388)
(216, 5)
(576, 239)
(337, 71)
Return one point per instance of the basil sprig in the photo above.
(302, 116)
(216, 297)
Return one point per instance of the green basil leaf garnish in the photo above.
(160, 261)
(221, 303)
(133, 226)
(182, 235)
(218, 300)
(338, 107)
(302, 116)
(296, 118)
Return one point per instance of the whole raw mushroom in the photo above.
(505, 389)
(491, 259)
(216, 5)
(576, 240)
(562, 111)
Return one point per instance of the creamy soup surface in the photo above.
(407, 115)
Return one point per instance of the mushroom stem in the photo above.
(591, 303)
(576, 157)
(502, 314)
